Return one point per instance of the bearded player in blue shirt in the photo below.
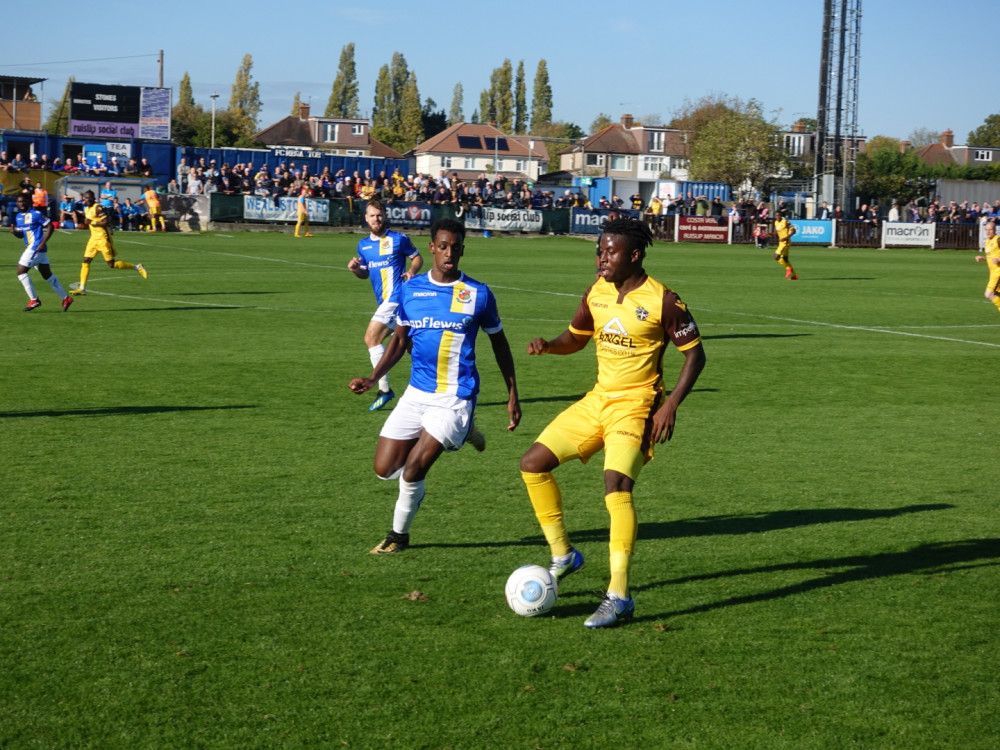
(438, 318)
(382, 258)
(35, 228)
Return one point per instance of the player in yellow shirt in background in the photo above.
(784, 229)
(302, 222)
(991, 255)
(631, 318)
(152, 201)
(96, 220)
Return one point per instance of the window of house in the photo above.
(328, 132)
(984, 155)
(445, 162)
(652, 164)
(656, 140)
(621, 163)
(795, 145)
(595, 160)
(354, 152)
(358, 129)
(469, 162)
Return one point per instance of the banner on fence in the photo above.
(265, 208)
(902, 234)
(812, 232)
(502, 219)
(411, 215)
(702, 229)
(590, 220)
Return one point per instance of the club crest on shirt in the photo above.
(641, 313)
(464, 296)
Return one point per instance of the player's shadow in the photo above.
(116, 411)
(223, 294)
(927, 558)
(751, 523)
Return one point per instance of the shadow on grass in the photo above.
(756, 336)
(577, 397)
(116, 411)
(222, 294)
(934, 557)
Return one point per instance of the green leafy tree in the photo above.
(541, 100)
(344, 94)
(226, 134)
(434, 120)
(520, 107)
(185, 114)
(475, 116)
(383, 125)
(556, 136)
(487, 111)
(455, 113)
(885, 173)
(986, 135)
(737, 145)
(411, 127)
(501, 92)
(296, 103)
(58, 119)
(244, 103)
(600, 122)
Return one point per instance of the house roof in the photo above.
(617, 139)
(294, 131)
(478, 138)
(935, 153)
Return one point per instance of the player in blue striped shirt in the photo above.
(440, 313)
(35, 227)
(382, 258)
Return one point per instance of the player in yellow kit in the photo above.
(152, 201)
(631, 317)
(991, 254)
(100, 241)
(302, 222)
(784, 229)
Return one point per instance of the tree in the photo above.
(520, 108)
(885, 173)
(185, 114)
(502, 95)
(735, 145)
(296, 103)
(344, 94)
(541, 100)
(434, 121)
(923, 137)
(557, 136)
(245, 104)
(600, 122)
(986, 135)
(411, 126)
(58, 120)
(455, 113)
(382, 125)
(487, 111)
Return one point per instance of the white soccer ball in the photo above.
(531, 590)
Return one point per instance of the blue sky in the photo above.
(642, 58)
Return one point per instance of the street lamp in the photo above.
(531, 156)
(214, 97)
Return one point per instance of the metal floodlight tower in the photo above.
(837, 114)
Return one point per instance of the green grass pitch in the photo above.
(187, 504)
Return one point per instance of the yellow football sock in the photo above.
(84, 275)
(785, 263)
(123, 264)
(996, 301)
(624, 527)
(546, 499)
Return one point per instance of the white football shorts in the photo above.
(31, 259)
(446, 418)
(386, 314)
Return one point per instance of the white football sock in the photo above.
(56, 286)
(411, 494)
(25, 280)
(375, 354)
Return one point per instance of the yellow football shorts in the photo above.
(782, 249)
(100, 245)
(619, 422)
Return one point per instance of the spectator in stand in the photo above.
(173, 188)
(823, 213)
(637, 202)
(145, 168)
(912, 213)
(40, 198)
(18, 163)
(132, 168)
(603, 202)
(129, 216)
(33, 162)
(114, 168)
(27, 189)
(4, 161)
(195, 185)
(838, 212)
(99, 168)
(183, 170)
(716, 208)
(44, 163)
(66, 213)
(894, 212)
(654, 210)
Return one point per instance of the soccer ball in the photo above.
(531, 590)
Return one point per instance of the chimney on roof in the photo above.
(948, 139)
(627, 121)
(904, 146)
(303, 110)
(799, 127)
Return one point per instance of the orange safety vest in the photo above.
(39, 198)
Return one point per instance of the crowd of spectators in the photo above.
(98, 167)
(951, 212)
